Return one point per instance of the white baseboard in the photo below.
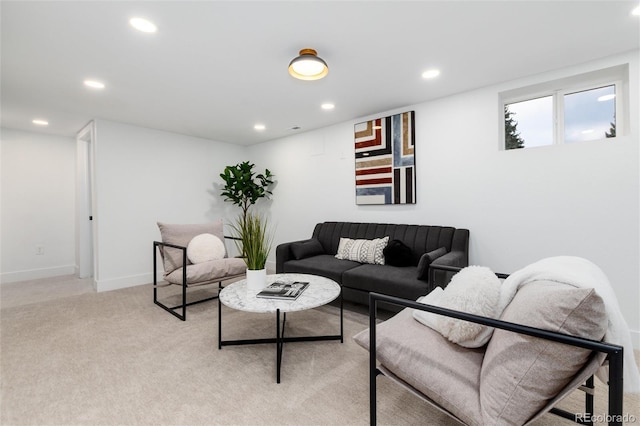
(35, 274)
(124, 282)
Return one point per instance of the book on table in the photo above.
(283, 291)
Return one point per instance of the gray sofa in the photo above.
(437, 245)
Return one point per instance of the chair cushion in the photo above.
(363, 251)
(307, 248)
(444, 372)
(205, 247)
(212, 270)
(521, 373)
(181, 235)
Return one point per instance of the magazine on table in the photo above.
(283, 291)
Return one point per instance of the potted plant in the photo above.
(243, 187)
(255, 240)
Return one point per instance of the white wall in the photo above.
(144, 176)
(37, 205)
(520, 206)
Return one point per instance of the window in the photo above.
(575, 109)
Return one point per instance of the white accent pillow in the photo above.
(363, 251)
(205, 247)
(474, 290)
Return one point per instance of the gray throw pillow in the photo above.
(307, 248)
(425, 261)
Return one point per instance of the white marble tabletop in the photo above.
(321, 291)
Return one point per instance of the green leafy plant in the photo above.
(255, 240)
(243, 187)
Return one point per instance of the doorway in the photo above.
(85, 248)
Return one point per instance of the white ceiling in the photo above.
(215, 68)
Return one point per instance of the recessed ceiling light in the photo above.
(94, 84)
(636, 11)
(606, 98)
(327, 105)
(40, 122)
(143, 25)
(259, 127)
(431, 73)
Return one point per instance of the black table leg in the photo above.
(278, 346)
(219, 322)
(280, 339)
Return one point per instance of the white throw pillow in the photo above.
(205, 247)
(474, 290)
(363, 251)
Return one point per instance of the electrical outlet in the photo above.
(39, 250)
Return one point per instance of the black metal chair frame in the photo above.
(614, 354)
(157, 245)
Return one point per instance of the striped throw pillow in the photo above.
(363, 251)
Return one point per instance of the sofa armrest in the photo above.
(444, 273)
(444, 267)
(453, 258)
(284, 253)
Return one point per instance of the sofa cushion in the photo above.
(307, 248)
(181, 235)
(521, 373)
(324, 265)
(446, 373)
(392, 280)
(397, 253)
(363, 251)
(425, 261)
(209, 271)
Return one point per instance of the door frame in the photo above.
(86, 247)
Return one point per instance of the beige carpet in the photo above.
(114, 358)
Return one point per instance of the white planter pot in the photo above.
(256, 279)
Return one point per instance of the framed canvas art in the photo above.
(385, 160)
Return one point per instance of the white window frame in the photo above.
(615, 76)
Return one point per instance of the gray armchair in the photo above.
(192, 261)
(546, 344)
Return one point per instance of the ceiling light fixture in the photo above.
(327, 106)
(39, 122)
(308, 66)
(431, 73)
(94, 84)
(143, 25)
(259, 127)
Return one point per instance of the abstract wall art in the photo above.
(385, 160)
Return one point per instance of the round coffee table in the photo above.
(320, 291)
